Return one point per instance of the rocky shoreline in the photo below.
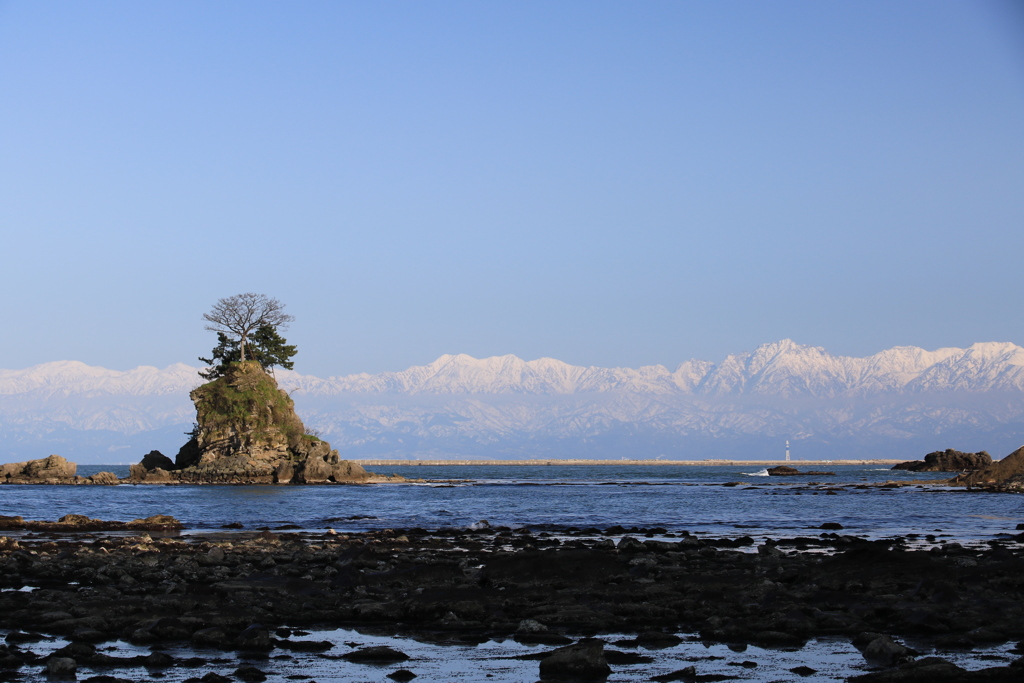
(245, 590)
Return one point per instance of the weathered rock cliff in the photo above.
(247, 432)
(1008, 472)
(948, 460)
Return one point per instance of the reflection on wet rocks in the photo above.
(235, 600)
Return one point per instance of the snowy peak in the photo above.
(73, 377)
(782, 369)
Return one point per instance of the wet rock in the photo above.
(777, 639)
(883, 651)
(142, 636)
(531, 626)
(304, 645)
(628, 544)
(583, 661)
(214, 556)
(158, 660)
(619, 657)
(687, 674)
(924, 670)
(76, 651)
(250, 674)
(61, 666)
(402, 675)
(88, 635)
(803, 670)
(168, 628)
(376, 653)
(255, 637)
(210, 637)
(657, 639)
(213, 677)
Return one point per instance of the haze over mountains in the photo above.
(900, 403)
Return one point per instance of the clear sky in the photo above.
(607, 183)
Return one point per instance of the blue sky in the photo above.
(606, 183)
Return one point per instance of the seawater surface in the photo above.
(678, 498)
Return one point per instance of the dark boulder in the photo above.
(584, 661)
(155, 459)
(376, 653)
(786, 471)
(948, 460)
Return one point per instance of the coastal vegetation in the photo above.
(239, 316)
(246, 429)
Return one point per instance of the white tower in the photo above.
(787, 450)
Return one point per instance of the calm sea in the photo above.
(556, 498)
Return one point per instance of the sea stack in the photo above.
(247, 432)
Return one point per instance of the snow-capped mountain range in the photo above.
(883, 405)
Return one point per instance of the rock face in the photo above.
(948, 460)
(51, 470)
(247, 432)
(1007, 472)
(47, 470)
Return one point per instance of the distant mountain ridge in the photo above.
(782, 368)
(504, 406)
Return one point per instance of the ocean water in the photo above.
(554, 498)
(692, 499)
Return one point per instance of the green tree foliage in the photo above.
(240, 315)
(264, 345)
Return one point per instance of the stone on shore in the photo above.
(61, 666)
(883, 651)
(582, 661)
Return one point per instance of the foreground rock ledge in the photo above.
(460, 585)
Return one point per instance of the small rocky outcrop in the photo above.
(84, 523)
(1008, 472)
(53, 469)
(50, 470)
(786, 471)
(247, 432)
(948, 460)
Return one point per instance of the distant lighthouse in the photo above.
(787, 450)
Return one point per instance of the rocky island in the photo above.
(247, 432)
